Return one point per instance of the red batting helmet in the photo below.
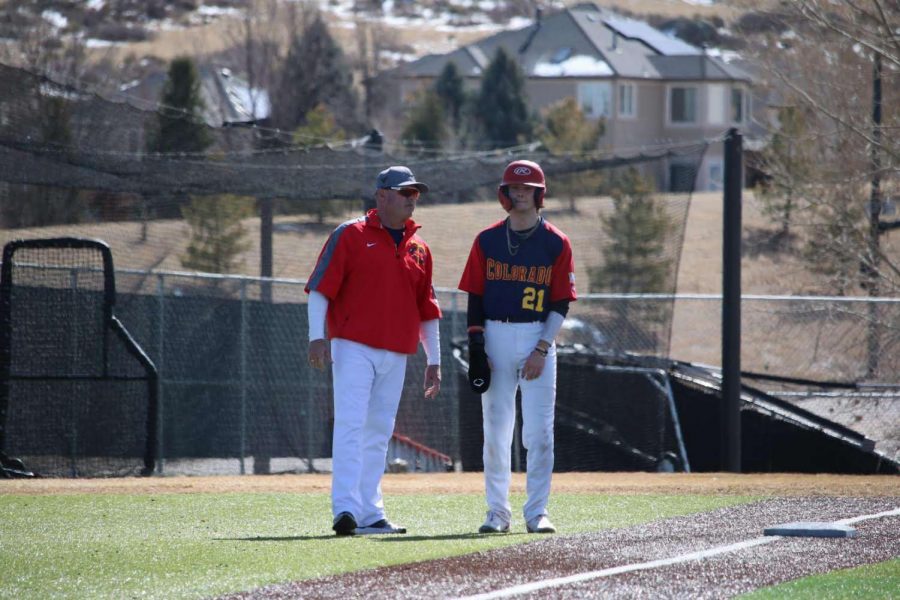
(523, 172)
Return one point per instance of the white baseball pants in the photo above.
(507, 346)
(368, 383)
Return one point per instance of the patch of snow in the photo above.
(395, 58)
(95, 4)
(727, 56)
(56, 19)
(217, 11)
(579, 65)
(166, 24)
(98, 43)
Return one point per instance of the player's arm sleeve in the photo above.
(475, 311)
(331, 266)
(472, 279)
(430, 336)
(562, 281)
(317, 309)
(552, 326)
(560, 306)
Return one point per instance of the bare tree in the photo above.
(837, 65)
(256, 39)
(840, 65)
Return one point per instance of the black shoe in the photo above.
(344, 524)
(378, 527)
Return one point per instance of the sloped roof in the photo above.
(584, 41)
(227, 99)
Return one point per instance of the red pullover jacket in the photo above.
(378, 292)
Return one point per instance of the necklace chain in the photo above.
(522, 235)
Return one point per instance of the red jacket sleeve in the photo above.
(472, 280)
(331, 267)
(562, 284)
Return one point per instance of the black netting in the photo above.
(77, 400)
(235, 392)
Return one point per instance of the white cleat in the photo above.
(380, 527)
(495, 523)
(540, 524)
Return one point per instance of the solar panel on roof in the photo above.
(656, 39)
(561, 55)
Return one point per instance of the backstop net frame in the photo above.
(71, 375)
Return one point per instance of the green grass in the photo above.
(880, 580)
(197, 545)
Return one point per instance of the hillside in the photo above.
(449, 229)
(129, 39)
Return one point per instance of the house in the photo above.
(652, 89)
(228, 102)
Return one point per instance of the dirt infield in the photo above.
(770, 484)
(632, 551)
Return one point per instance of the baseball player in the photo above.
(372, 284)
(520, 277)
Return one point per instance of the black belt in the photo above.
(517, 320)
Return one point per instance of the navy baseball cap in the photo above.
(395, 178)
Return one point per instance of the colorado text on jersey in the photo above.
(503, 271)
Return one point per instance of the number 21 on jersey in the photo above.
(533, 299)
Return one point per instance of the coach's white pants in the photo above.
(367, 386)
(507, 346)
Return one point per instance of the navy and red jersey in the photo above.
(378, 291)
(520, 287)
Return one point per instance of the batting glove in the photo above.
(479, 369)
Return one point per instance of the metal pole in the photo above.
(731, 303)
(261, 460)
(74, 396)
(160, 362)
(243, 354)
(265, 246)
(872, 283)
(452, 380)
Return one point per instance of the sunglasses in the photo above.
(409, 192)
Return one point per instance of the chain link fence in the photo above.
(234, 380)
(236, 394)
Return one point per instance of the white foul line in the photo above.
(526, 588)
(887, 513)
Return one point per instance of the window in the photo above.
(594, 98)
(716, 176)
(626, 100)
(683, 105)
(737, 105)
(718, 104)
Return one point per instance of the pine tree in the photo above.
(180, 125)
(451, 91)
(789, 163)
(566, 130)
(315, 72)
(635, 260)
(217, 233)
(500, 105)
(425, 127)
(320, 127)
